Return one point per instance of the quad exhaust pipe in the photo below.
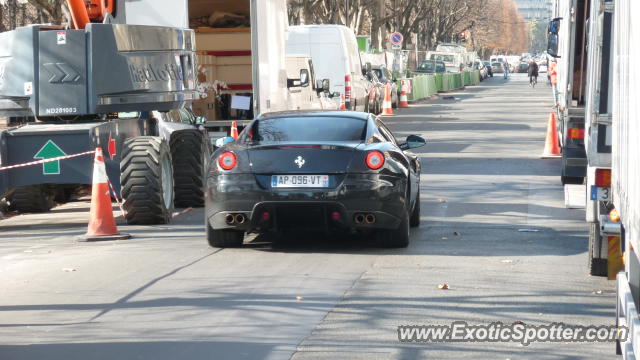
(370, 218)
(367, 218)
(240, 218)
(232, 219)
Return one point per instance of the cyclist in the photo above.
(533, 73)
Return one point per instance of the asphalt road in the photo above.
(494, 229)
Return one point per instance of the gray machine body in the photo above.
(70, 80)
(106, 68)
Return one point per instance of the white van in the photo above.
(453, 61)
(305, 91)
(335, 55)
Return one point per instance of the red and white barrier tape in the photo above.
(46, 160)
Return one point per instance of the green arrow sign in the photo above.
(48, 151)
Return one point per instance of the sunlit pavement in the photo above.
(494, 229)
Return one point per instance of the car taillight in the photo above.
(347, 87)
(375, 160)
(575, 133)
(227, 160)
(603, 178)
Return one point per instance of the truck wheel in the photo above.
(597, 265)
(147, 180)
(32, 199)
(189, 153)
(414, 220)
(398, 238)
(224, 238)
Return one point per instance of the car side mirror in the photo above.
(303, 81)
(413, 142)
(304, 77)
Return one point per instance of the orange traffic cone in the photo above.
(386, 104)
(343, 106)
(234, 130)
(551, 147)
(102, 225)
(404, 102)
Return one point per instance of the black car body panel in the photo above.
(353, 187)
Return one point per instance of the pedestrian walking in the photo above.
(505, 66)
(553, 75)
(533, 73)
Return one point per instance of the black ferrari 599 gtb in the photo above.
(325, 170)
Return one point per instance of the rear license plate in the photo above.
(300, 181)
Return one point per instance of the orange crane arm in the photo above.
(84, 11)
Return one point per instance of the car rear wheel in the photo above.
(224, 238)
(398, 238)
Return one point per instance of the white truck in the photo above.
(453, 61)
(625, 166)
(241, 69)
(567, 35)
(595, 91)
(597, 137)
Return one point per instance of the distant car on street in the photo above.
(542, 68)
(432, 67)
(523, 67)
(487, 64)
(479, 65)
(333, 171)
(497, 67)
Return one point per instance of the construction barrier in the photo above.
(466, 78)
(422, 86)
(475, 77)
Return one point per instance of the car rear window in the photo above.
(320, 128)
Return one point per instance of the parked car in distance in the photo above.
(432, 67)
(332, 171)
(542, 68)
(335, 55)
(386, 78)
(497, 67)
(523, 67)
(479, 65)
(487, 64)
